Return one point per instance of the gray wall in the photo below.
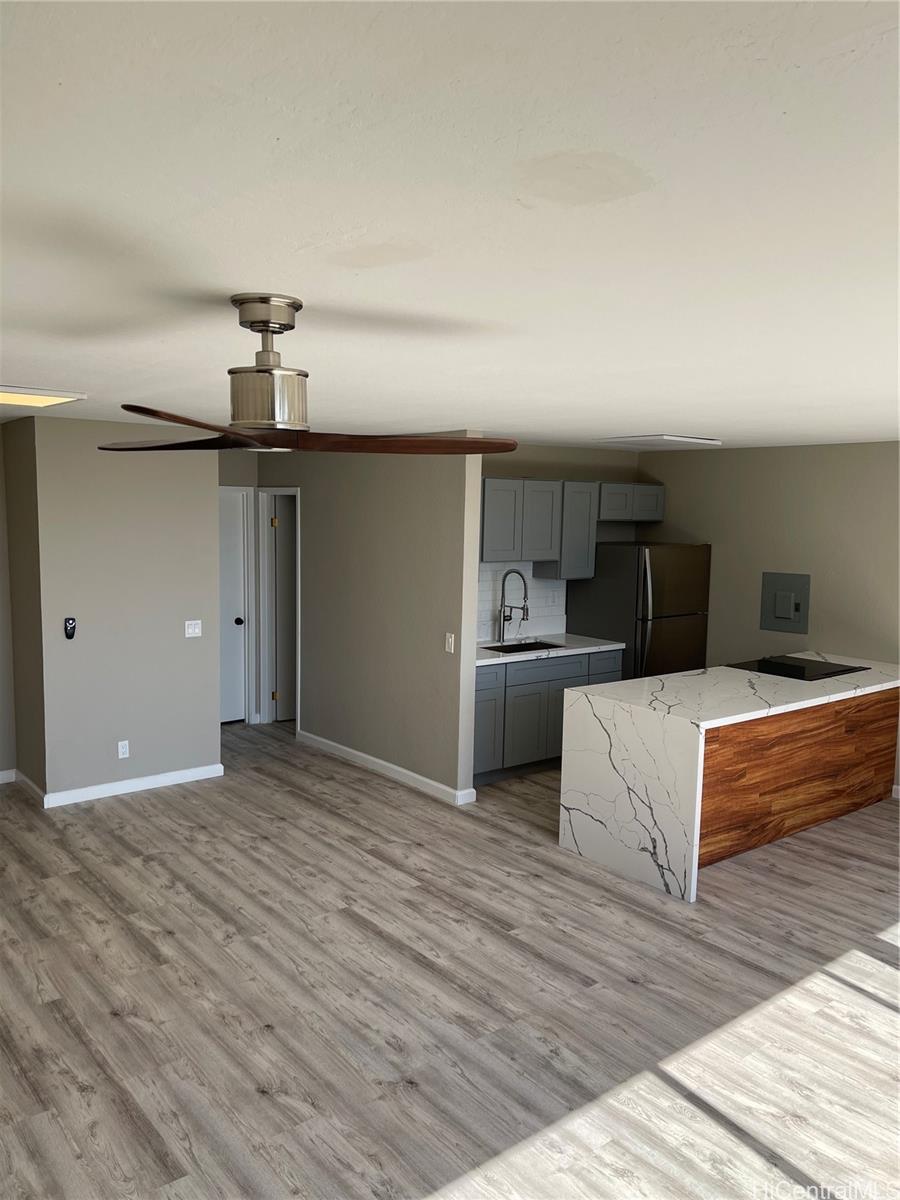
(388, 564)
(7, 709)
(827, 510)
(561, 462)
(20, 468)
(238, 468)
(128, 546)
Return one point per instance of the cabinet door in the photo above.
(541, 519)
(488, 729)
(555, 697)
(649, 502)
(616, 501)
(501, 520)
(525, 726)
(605, 677)
(604, 661)
(579, 530)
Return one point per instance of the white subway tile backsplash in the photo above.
(546, 602)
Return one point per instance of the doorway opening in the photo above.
(279, 605)
(237, 606)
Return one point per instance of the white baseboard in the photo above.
(439, 791)
(121, 787)
(8, 776)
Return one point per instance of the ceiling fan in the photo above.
(268, 404)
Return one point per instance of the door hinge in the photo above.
(275, 696)
(273, 521)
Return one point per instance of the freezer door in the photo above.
(605, 606)
(675, 581)
(668, 644)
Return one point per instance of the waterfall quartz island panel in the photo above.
(665, 775)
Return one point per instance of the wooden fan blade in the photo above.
(334, 443)
(357, 443)
(157, 414)
(225, 442)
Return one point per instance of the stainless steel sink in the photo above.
(523, 647)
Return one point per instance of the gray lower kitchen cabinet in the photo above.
(525, 732)
(501, 520)
(555, 697)
(536, 670)
(578, 541)
(542, 507)
(616, 501)
(604, 661)
(649, 502)
(489, 706)
(603, 677)
(519, 706)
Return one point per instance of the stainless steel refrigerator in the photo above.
(654, 597)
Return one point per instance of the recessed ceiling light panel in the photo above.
(660, 441)
(21, 397)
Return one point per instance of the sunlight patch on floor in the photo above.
(891, 934)
(790, 1099)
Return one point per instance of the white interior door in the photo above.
(232, 618)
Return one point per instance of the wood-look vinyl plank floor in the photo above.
(304, 980)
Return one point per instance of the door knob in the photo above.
(238, 620)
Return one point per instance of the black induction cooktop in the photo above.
(808, 669)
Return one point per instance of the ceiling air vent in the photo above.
(660, 441)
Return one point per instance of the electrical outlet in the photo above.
(123, 750)
(193, 629)
(449, 642)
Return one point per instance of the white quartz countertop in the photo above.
(563, 643)
(725, 695)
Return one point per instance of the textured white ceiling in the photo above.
(563, 222)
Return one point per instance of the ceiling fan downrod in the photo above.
(268, 395)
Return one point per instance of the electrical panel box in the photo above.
(784, 606)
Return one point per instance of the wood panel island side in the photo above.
(663, 776)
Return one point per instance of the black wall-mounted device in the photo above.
(69, 624)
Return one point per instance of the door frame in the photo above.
(251, 665)
(265, 497)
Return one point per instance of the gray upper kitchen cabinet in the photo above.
(616, 501)
(578, 541)
(553, 523)
(501, 520)
(649, 502)
(542, 507)
(521, 520)
(632, 501)
(525, 733)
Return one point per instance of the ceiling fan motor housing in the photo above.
(267, 395)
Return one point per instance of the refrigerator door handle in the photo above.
(648, 585)
(645, 654)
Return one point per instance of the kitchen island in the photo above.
(664, 775)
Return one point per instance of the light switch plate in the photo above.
(784, 604)
(193, 629)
